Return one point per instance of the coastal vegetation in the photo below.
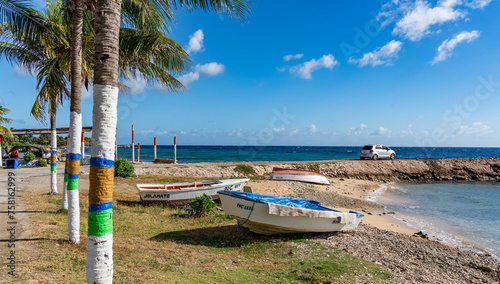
(3, 119)
(245, 169)
(124, 168)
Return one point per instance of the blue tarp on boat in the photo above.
(281, 200)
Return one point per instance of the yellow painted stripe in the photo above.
(101, 184)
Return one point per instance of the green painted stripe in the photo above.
(101, 223)
(53, 168)
(72, 184)
(65, 177)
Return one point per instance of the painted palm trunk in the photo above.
(100, 220)
(64, 201)
(53, 162)
(73, 157)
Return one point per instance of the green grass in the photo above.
(161, 244)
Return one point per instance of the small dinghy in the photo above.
(182, 193)
(267, 214)
(298, 175)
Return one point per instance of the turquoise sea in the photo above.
(465, 214)
(197, 154)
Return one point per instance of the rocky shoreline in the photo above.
(458, 169)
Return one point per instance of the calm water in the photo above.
(196, 154)
(463, 214)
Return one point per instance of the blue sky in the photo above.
(401, 73)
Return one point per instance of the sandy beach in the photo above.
(380, 238)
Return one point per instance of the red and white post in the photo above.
(154, 151)
(83, 144)
(133, 146)
(175, 150)
(138, 152)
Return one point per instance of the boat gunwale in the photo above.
(231, 194)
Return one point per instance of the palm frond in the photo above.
(237, 9)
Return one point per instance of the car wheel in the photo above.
(393, 156)
(375, 157)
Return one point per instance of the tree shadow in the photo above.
(225, 237)
(130, 203)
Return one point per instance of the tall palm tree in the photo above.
(36, 53)
(48, 55)
(106, 63)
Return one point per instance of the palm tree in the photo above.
(4, 130)
(3, 119)
(106, 64)
(48, 56)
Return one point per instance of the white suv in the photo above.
(376, 152)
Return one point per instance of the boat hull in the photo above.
(299, 175)
(180, 194)
(256, 217)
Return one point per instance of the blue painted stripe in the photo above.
(65, 171)
(74, 156)
(53, 164)
(101, 162)
(54, 152)
(73, 176)
(100, 206)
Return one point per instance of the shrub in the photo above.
(245, 169)
(28, 156)
(42, 162)
(124, 168)
(201, 205)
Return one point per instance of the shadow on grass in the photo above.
(28, 212)
(224, 237)
(130, 203)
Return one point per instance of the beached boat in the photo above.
(298, 175)
(181, 193)
(267, 214)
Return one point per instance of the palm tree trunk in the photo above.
(100, 218)
(53, 149)
(64, 201)
(75, 122)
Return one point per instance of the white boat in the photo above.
(298, 175)
(182, 193)
(267, 214)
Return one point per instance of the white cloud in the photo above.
(22, 72)
(136, 85)
(188, 78)
(379, 56)
(210, 69)
(381, 131)
(305, 69)
(195, 42)
(418, 18)
(446, 48)
(476, 128)
(313, 128)
(357, 130)
(147, 132)
(478, 4)
(290, 56)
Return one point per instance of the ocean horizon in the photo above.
(213, 153)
